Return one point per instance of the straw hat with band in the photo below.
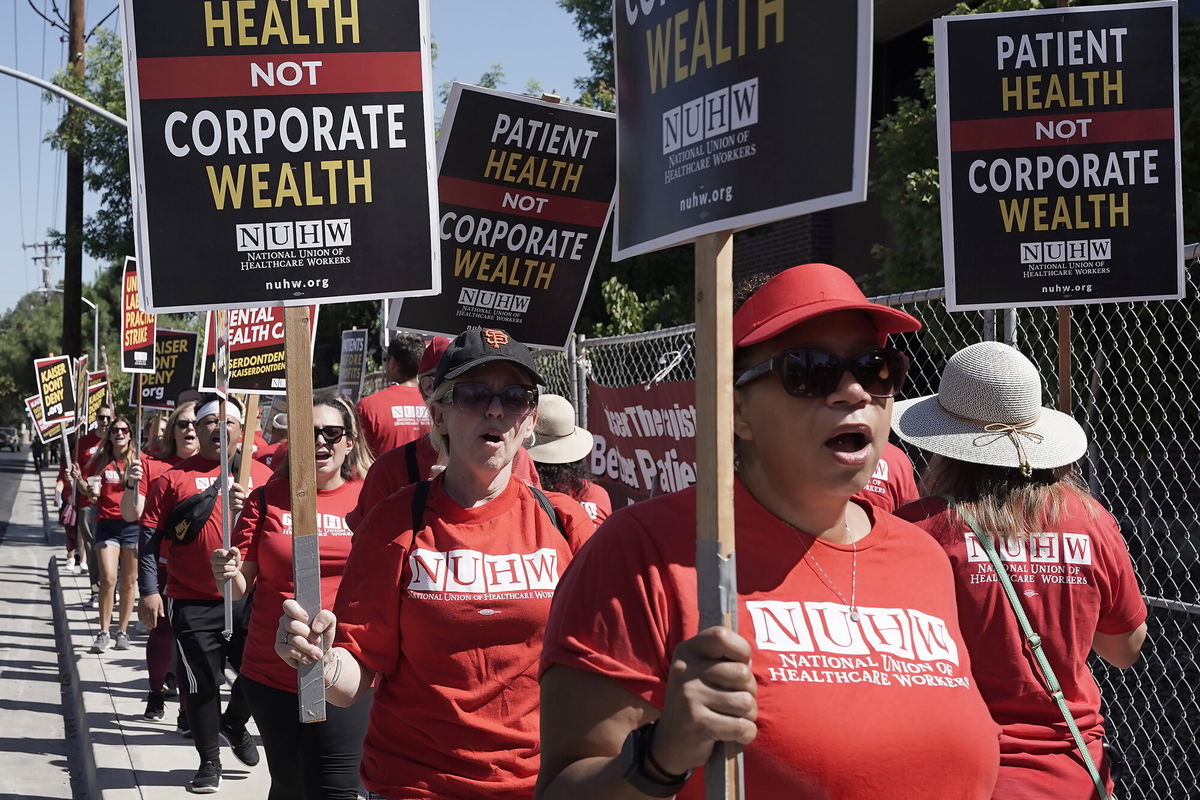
(988, 410)
(800, 293)
(558, 440)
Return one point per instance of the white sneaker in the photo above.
(101, 644)
(71, 568)
(82, 568)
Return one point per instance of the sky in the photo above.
(530, 39)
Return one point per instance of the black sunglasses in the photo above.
(115, 431)
(184, 424)
(807, 372)
(332, 434)
(103, 418)
(476, 398)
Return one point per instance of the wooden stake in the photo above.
(248, 430)
(716, 571)
(1065, 400)
(306, 553)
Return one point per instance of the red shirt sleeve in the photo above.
(1122, 608)
(158, 501)
(244, 533)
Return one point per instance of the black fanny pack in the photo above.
(185, 521)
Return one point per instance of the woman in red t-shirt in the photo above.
(847, 678)
(116, 540)
(560, 452)
(177, 441)
(1010, 465)
(316, 760)
(446, 594)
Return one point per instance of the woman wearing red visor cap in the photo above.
(849, 678)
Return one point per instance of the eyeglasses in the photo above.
(103, 418)
(476, 398)
(118, 432)
(184, 424)
(332, 434)
(806, 372)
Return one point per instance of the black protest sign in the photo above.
(137, 327)
(174, 369)
(352, 363)
(525, 189)
(1059, 156)
(281, 152)
(56, 387)
(737, 114)
(257, 351)
(46, 431)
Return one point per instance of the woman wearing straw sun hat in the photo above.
(1003, 479)
(560, 451)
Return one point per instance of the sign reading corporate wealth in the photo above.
(737, 114)
(282, 152)
(1059, 154)
(525, 188)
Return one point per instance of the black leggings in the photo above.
(314, 761)
(203, 652)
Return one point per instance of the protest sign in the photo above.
(737, 114)
(525, 188)
(95, 398)
(352, 363)
(257, 351)
(174, 369)
(645, 439)
(46, 431)
(56, 387)
(280, 153)
(1058, 140)
(137, 327)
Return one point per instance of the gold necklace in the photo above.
(819, 571)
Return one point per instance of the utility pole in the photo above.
(45, 258)
(73, 246)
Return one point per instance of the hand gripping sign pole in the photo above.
(306, 554)
(222, 369)
(716, 572)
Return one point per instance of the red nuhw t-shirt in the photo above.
(152, 468)
(452, 623)
(893, 483)
(189, 567)
(1074, 582)
(265, 538)
(880, 708)
(596, 503)
(392, 417)
(84, 451)
(112, 486)
(391, 473)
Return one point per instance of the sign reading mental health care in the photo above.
(737, 114)
(137, 327)
(174, 370)
(256, 351)
(645, 439)
(525, 189)
(281, 152)
(352, 363)
(1058, 144)
(56, 387)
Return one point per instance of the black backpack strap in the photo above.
(548, 507)
(420, 497)
(414, 469)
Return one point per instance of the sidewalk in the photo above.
(131, 758)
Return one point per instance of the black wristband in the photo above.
(634, 754)
(672, 777)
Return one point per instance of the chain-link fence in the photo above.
(1134, 378)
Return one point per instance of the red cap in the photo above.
(433, 354)
(801, 293)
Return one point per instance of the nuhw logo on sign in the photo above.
(497, 301)
(304, 234)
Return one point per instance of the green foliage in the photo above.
(108, 232)
(593, 18)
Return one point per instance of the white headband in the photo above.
(213, 407)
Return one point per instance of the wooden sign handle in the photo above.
(306, 552)
(248, 430)
(716, 572)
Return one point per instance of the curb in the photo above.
(74, 713)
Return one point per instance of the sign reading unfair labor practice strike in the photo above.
(282, 151)
(1058, 139)
(257, 351)
(174, 370)
(525, 189)
(137, 327)
(735, 114)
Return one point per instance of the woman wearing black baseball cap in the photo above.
(446, 594)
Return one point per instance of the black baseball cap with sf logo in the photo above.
(478, 346)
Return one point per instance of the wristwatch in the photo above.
(632, 762)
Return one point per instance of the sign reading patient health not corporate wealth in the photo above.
(56, 387)
(1058, 144)
(257, 350)
(352, 363)
(282, 152)
(137, 327)
(174, 370)
(737, 114)
(525, 189)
